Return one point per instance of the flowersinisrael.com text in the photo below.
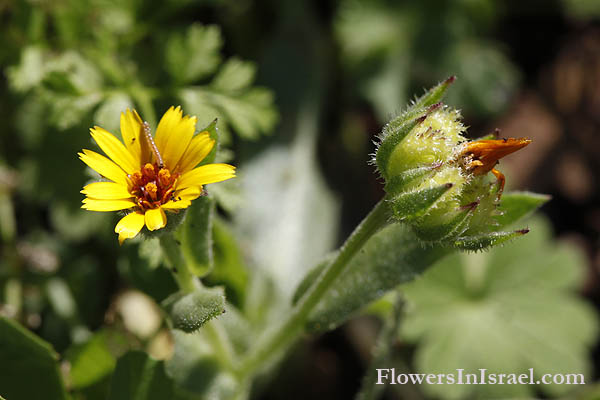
(483, 377)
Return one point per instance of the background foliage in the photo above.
(300, 89)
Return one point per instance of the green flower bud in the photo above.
(436, 181)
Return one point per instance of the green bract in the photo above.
(421, 157)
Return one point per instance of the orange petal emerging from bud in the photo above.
(484, 154)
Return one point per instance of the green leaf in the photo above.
(506, 310)
(197, 369)
(234, 75)
(25, 357)
(195, 236)
(90, 362)
(67, 111)
(29, 72)
(192, 310)
(517, 205)
(59, 82)
(289, 224)
(230, 270)
(139, 377)
(249, 113)
(194, 55)
(391, 257)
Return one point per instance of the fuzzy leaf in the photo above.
(197, 369)
(190, 311)
(230, 270)
(289, 223)
(391, 257)
(195, 236)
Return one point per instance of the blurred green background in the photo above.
(301, 88)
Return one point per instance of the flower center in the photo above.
(153, 186)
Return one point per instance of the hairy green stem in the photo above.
(382, 353)
(172, 251)
(287, 332)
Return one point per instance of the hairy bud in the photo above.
(436, 180)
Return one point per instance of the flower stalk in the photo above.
(171, 249)
(285, 333)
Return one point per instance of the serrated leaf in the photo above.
(195, 235)
(234, 75)
(505, 310)
(249, 113)
(137, 376)
(24, 355)
(67, 111)
(192, 310)
(391, 257)
(194, 55)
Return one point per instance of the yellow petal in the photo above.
(167, 124)
(190, 193)
(204, 174)
(129, 226)
(132, 133)
(106, 191)
(183, 198)
(198, 149)
(155, 219)
(114, 149)
(106, 205)
(104, 166)
(177, 139)
(176, 204)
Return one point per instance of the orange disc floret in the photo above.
(151, 188)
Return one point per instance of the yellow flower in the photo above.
(148, 176)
